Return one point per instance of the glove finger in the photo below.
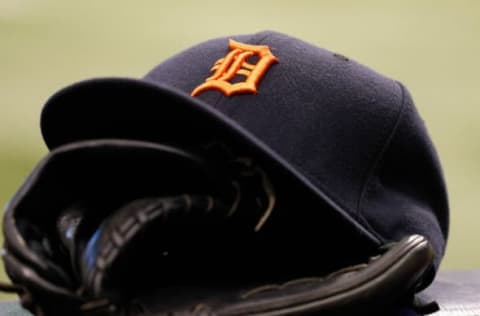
(366, 288)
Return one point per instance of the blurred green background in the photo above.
(431, 46)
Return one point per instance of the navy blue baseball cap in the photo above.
(340, 130)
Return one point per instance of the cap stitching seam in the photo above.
(257, 41)
(380, 156)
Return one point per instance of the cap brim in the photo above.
(139, 109)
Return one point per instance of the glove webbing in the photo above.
(127, 224)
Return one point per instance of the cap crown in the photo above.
(349, 132)
(353, 132)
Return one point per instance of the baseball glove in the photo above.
(123, 227)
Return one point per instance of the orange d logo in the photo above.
(235, 64)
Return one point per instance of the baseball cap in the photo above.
(343, 132)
